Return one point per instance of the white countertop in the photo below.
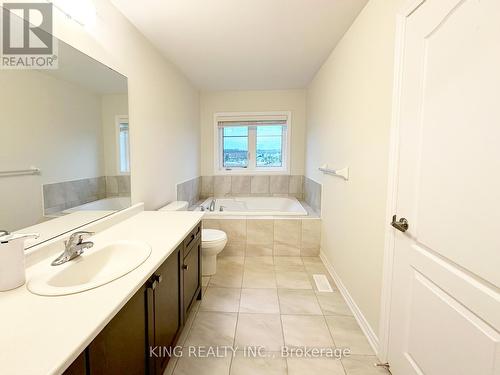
(44, 335)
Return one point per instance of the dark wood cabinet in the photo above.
(120, 348)
(152, 318)
(164, 301)
(79, 365)
(191, 270)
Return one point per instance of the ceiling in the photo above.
(244, 44)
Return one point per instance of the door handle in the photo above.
(401, 225)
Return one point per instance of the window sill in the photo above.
(250, 172)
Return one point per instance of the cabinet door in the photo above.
(192, 275)
(120, 348)
(167, 320)
(79, 366)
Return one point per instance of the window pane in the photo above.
(269, 130)
(269, 146)
(236, 131)
(235, 147)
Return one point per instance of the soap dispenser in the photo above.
(12, 271)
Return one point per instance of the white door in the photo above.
(445, 307)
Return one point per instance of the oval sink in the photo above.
(96, 267)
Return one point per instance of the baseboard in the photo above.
(358, 315)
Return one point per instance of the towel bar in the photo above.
(20, 172)
(344, 172)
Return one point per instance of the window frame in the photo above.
(120, 119)
(252, 168)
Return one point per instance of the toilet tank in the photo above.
(175, 206)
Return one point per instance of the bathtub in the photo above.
(106, 204)
(255, 206)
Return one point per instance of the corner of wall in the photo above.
(348, 124)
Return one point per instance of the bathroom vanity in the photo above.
(133, 286)
(109, 329)
(135, 340)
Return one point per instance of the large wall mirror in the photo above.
(64, 157)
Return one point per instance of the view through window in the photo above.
(235, 147)
(258, 144)
(269, 152)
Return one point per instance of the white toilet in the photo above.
(212, 241)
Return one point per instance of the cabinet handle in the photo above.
(154, 281)
(152, 285)
(158, 278)
(185, 267)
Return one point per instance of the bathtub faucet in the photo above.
(212, 206)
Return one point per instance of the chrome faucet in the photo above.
(74, 247)
(212, 206)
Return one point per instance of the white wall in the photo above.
(50, 124)
(163, 105)
(349, 114)
(112, 106)
(253, 101)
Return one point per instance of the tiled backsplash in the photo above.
(273, 185)
(60, 196)
(297, 186)
(269, 237)
(117, 186)
(189, 191)
(312, 194)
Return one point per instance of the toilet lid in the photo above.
(211, 235)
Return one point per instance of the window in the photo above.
(123, 145)
(252, 142)
(269, 150)
(235, 147)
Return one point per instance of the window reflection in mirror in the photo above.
(123, 145)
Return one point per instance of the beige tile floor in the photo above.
(271, 302)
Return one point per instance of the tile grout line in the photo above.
(282, 327)
(329, 330)
(237, 316)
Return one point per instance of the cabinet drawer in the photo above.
(191, 270)
(191, 238)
